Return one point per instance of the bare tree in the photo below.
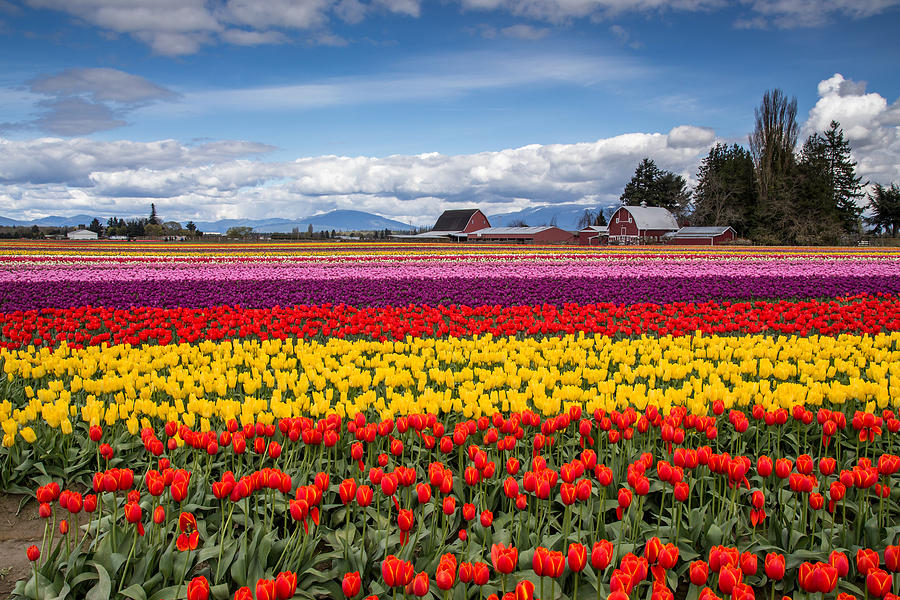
(772, 146)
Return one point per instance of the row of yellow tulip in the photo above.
(253, 380)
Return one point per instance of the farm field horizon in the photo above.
(325, 420)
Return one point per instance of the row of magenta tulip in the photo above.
(83, 326)
(515, 476)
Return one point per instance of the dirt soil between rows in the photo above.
(18, 530)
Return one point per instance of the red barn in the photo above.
(452, 225)
(640, 224)
(593, 235)
(703, 236)
(523, 235)
(461, 221)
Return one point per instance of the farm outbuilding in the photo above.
(453, 224)
(703, 236)
(593, 235)
(640, 224)
(82, 234)
(523, 235)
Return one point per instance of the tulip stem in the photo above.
(128, 561)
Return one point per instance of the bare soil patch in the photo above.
(18, 530)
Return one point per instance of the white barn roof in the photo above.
(508, 230)
(702, 232)
(652, 217)
(82, 234)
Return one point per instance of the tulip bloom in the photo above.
(420, 584)
(775, 566)
(285, 585)
(577, 557)
(866, 560)
(33, 553)
(601, 554)
(699, 572)
(198, 589)
(351, 584)
(878, 583)
(504, 558)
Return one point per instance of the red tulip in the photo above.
(364, 495)
(449, 505)
(728, 578)
(699, 572)
(577, 557)
(839, 561)
(487, 518)
(347, 491)
(601, 554)
(198, 589)
(878, 583)
(243, 593)
(480, 573)
(33, 553)
(866, 560)
(504, 558)
(748, 563)
(775, 566)
(265, 588)
(423, 493)
(892, 558)
(524, 590)
(420, 584)
(285, 585)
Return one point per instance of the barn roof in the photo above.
(652, 217)
(509, 230)
(702, 231)
(454, 220)
(597, 228)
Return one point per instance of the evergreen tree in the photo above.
(844, 185)
(816, 217)
(96, 227)
(654, 187)
(726, 189)
(885, 205)
(153, 220)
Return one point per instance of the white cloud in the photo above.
(215, 181)
(789, 14)
(431, 77)
(83, 101)
(180, 27)
(870, 124)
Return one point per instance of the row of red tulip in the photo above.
(83, 326)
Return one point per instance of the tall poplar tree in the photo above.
(772, 145)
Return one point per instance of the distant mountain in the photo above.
(54, 221)
(339, 220)
(566, 215)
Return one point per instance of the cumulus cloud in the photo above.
(870, 123)
(83, 101)
(218, 180)
(789, 14)
(179, 27)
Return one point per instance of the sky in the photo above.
(404, 108)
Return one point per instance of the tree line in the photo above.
(151, 226)
(773, 192)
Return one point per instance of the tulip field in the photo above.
(350, 420)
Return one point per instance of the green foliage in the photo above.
(655, 187)
(885, 205)
(726, 189)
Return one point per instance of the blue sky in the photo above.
(404, 107)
